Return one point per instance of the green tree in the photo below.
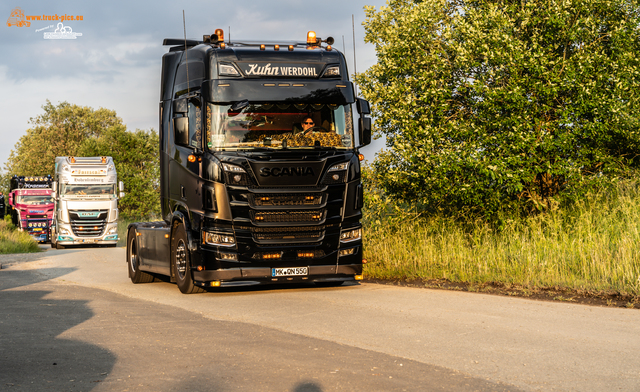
(492, 106)
(72, 130)
(59, 131)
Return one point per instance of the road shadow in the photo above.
(34, 354)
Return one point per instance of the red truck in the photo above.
(31, 205)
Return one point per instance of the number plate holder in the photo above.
(291, 271)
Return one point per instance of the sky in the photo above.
(115, 59)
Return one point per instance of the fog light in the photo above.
(215, 283)
(359, 277)
(347, 252)
(228, 256)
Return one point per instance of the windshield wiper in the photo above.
(257, 149)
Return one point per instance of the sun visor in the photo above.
(327, 92)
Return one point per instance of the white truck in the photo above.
(86, 202)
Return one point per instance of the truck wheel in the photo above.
(58, 246)
(180, 260)
(135, 274)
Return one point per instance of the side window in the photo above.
(187, 122)
(195, 123)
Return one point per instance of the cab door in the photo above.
(186, 151)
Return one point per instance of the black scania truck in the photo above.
(260, 170)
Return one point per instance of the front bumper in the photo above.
(247, 276)
(109, 237)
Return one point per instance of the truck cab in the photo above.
(86, 195)
(31, 205)
(260, 170)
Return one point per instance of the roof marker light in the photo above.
(262, 47)
(223, 45)
(290, 48)
(329, 47)
(276, 47)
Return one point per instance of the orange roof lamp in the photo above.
(220, 34)
(314, 40)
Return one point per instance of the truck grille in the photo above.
(288, 234)
(88, 223)
(313, 216)
(296, 199)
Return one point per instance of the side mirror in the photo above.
(363, 106)
(181, 130)
(120, 186)
(121, 195)
(364, 131)
(54, 187)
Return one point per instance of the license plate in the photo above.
(37, 229)
(89, 241)
(295, 271)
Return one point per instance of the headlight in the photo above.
(351, 235)
(236, 175)
(339, 166)
(219, 239)
(232, 168)
(113, 230)
(336, 174)
(62, 231)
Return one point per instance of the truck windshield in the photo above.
(278, 125)
(107, 190)
(33, 200)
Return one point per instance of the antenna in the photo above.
(229, 39)
(355, 70)
(186, 56)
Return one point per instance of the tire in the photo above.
(181, 261)
(58, 246)
(135, 274)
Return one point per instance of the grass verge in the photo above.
(592, 248)
(14, 241)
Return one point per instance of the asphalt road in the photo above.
(72, 320)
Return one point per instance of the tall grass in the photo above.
(14, 241)
(594, 245)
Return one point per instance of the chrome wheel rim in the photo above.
(133, 258)
(181, 259)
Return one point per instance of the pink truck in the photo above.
(31, 205)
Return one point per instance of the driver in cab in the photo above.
(307, 125)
